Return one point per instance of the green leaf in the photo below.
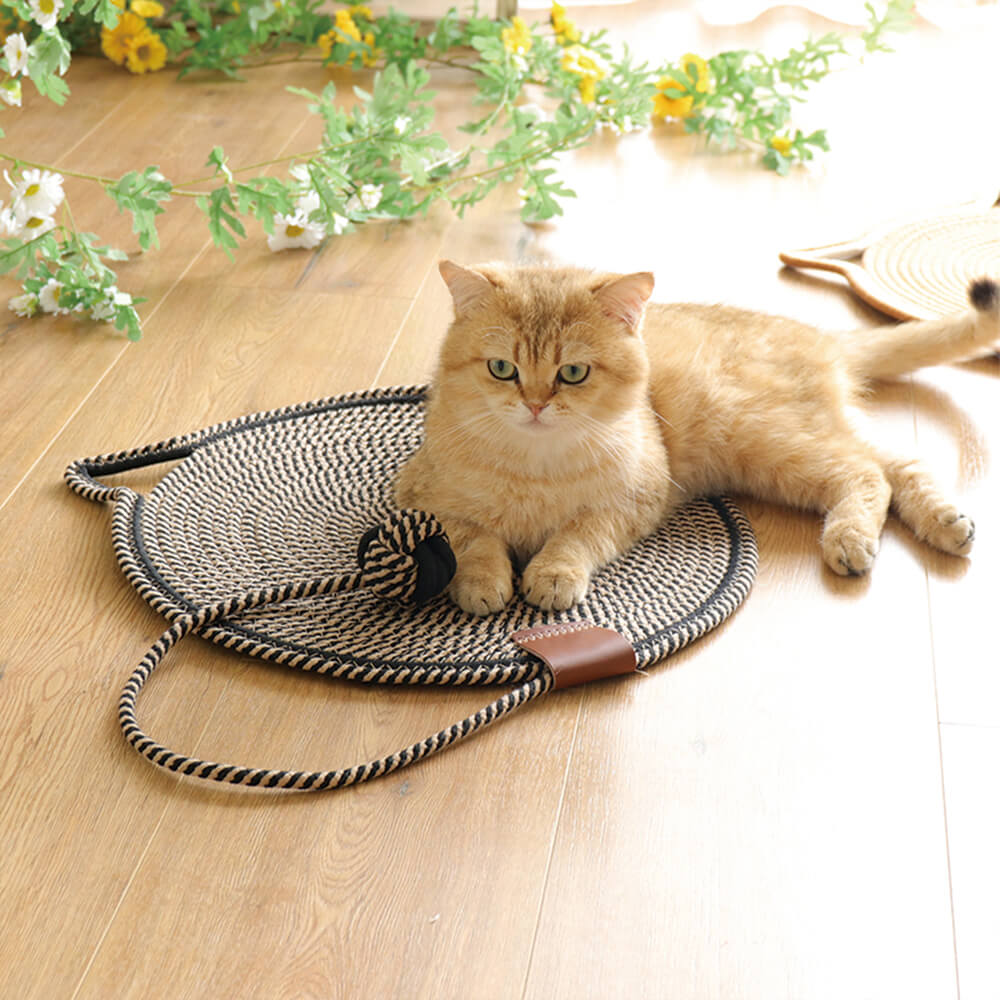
(142, 195)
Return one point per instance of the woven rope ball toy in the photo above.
(407, 557)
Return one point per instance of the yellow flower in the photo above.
(360, 10)
(517, 38)
(343, 29)
(696, 75)
(588, 89)
(146, 53)
(781, 143)
(566, 31)
(146, 8)
(344, 24)
(583, 62)
(370, 58)
(115, 41)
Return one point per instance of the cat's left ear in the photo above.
(625, 298)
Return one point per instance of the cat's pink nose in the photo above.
(536, 408)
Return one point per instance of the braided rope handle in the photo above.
(233, 774)
(81, 474)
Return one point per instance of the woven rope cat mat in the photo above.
(275, 535)
(921, 270)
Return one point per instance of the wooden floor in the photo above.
(802, 805)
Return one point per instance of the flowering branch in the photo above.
(381, 159)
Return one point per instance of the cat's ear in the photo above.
(468, 288)
(625, 298)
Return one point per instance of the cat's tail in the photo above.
(893, 350)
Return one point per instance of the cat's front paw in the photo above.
(480, 592)
(554, 586)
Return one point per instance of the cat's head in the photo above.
(543, 353)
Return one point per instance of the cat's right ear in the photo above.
(625, 298)
(468, 288)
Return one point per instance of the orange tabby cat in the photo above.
(567, 418)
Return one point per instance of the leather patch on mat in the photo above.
(578, 652)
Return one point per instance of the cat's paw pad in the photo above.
(480, 593)
(554, 588)
(849, 551)
(953, 532)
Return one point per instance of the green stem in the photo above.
(532, 156)
(20, 161)
(34, 239)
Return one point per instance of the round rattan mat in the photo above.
(921, 270)
(931, 264)
(285, 496)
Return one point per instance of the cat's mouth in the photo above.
(535, 425)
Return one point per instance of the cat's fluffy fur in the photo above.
(679, 401)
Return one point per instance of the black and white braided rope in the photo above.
(233, 774)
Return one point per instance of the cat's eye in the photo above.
(503, 370)
(573, 374)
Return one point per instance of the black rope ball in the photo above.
(406, 558)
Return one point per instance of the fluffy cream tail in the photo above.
(887, 351)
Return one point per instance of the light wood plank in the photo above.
(957, 429)
(971, 756)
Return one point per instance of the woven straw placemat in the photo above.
(250, 537)
(920, 270)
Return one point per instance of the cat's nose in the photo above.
(536, 408)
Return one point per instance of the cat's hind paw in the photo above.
(848, 550)
(952, 532)
(554, 587)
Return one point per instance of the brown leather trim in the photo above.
(578, 652)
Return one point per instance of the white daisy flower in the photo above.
(308, 203)
(30, 225)
(45, 13)
(10, 92)
(400, 125)
(24, 305)
(370, 195)
(16, 51)
(38, 192)
(103, 312)
(340, 223)
(291, 231)
(48, 297)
